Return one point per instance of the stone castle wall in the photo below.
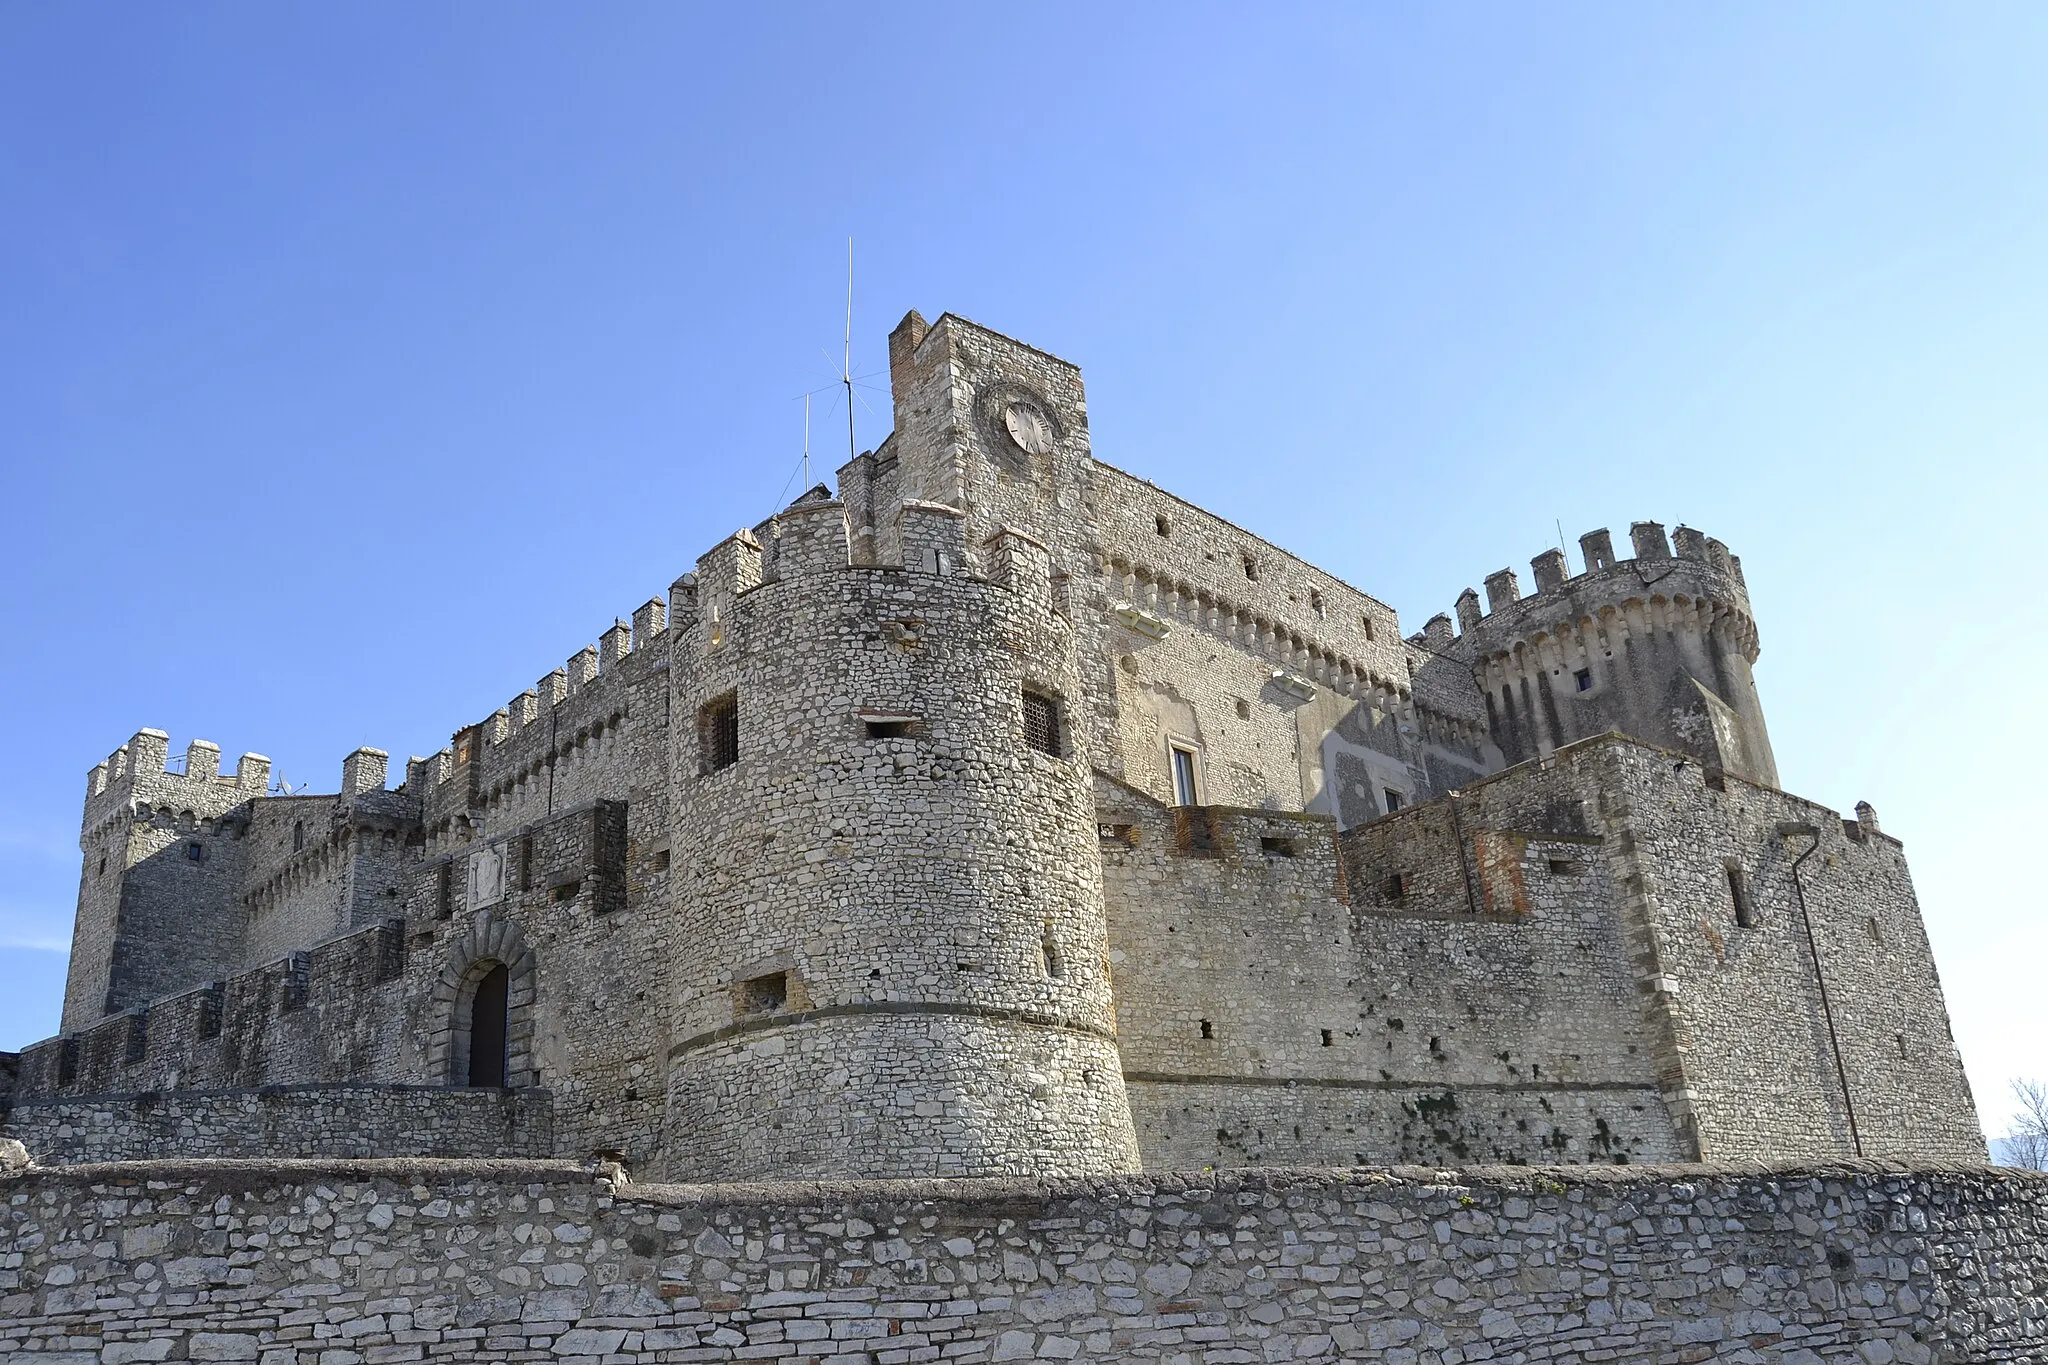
(891, 936)
(325, 1263)
(316, 1120)
(1272, 1013)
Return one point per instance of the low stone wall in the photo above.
(364, 1263)
(295, 1121)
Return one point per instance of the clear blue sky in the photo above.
(359, 363)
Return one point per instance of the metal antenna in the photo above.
(807, 442)
(846, 355)
(1559, 524)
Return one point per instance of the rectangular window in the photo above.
(1042, 723)
(1276, 848)
(1584, 678)
(718, 732)
(1186, 791)
(1393, 799)
(444, 890)
(526, 862)
(888, 729)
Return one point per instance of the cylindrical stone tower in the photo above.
(1659, 647)
(889, 926)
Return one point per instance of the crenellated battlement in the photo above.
(1697, 586)
(140, 771)
(1658, 645)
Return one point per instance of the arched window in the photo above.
(487, 1028)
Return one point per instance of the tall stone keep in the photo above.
(889, 906)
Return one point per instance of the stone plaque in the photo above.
(486, 876)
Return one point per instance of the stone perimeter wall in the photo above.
(307, 1120)
(363, 1263)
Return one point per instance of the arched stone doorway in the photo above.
(483, 1009)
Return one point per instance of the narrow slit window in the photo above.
(444, 890)
(1042, 723)
(718, 731)
(1208, 1029)
(1250, 566)
(1738, 895)
(1162, 525)
(526, 863)
(1394, 887)
(298, 835)
(1186, 790)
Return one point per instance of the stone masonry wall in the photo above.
(321, 1120)
(351, 1263)
(1268, 1014)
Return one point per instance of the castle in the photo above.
(1004, 815)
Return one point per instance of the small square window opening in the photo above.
(764, 994)
(1042, 723)
(1584, 678)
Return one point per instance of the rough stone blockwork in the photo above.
(317, 1120)
(340, 1263)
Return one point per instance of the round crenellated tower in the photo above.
(1659, 646)
(890, 942)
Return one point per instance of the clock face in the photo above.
(1029, 428)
